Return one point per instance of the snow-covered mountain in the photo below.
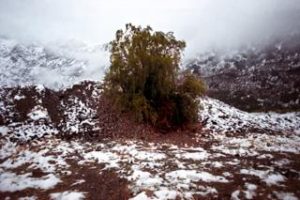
(264, 78)
(56, 66)
(252, 78)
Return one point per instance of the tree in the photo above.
(143, 77)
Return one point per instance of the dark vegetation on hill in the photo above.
(254, 79)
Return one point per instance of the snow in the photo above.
(150, 156)
(165, 170)
(11, 182)
(29, 131)
(266, 176)
(235, 195)
(141, 196)
(3, 130)
(145, 179)
(40, 88)
(67, 195)
(78, 182)
(19, 97)
(38, 113)
(28, 198)
(274, 179)
(194, 155)
(7, 149)
(217, 164)
(78, 116)
(206, 191)
(162, 169)
(282, 162)
(285, 196)
(250, 192)
(224, 118)
(36, 160)
(55, 66)
(193, 175)
(108, 158)
(166, 194)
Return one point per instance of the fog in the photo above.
(203, 24)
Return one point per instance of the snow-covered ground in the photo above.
(222, 117)
(169, 171)
(238, 155)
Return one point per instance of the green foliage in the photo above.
(192, 85)
(143, 77)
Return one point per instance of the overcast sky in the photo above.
(202, 23)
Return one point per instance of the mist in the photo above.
(203, 24)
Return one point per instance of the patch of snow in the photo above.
(145, 179)
(40, 88)
(7, 149)
(19, 97)
(79, 116)
(11, 182)
(142, 196)
(38, 113)
(285, 196)
(148, 156)
(250, 192)
(4, 130)
(282, 162)
(266, 176)
(110, 159)
(78, 182)
(36, 160)
(217, 164)
(166, 194)
(193, 175)
(235, 195)
(206, 191)
(274, 179)
(67, 195)
(29, 131)
(28, 198)
(264, 156)
(194, 155)
(227, 174)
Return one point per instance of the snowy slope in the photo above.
(56, 66)
(31, 112)
(221, 117)
(254, 78)
(244, 155)
(246, 166)
(35, 111)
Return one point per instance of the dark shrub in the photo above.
(143, 78)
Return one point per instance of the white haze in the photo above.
(203, 24)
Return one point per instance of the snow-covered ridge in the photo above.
(30, 112)
(56, 65)
(221, 117)
(34, 112)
